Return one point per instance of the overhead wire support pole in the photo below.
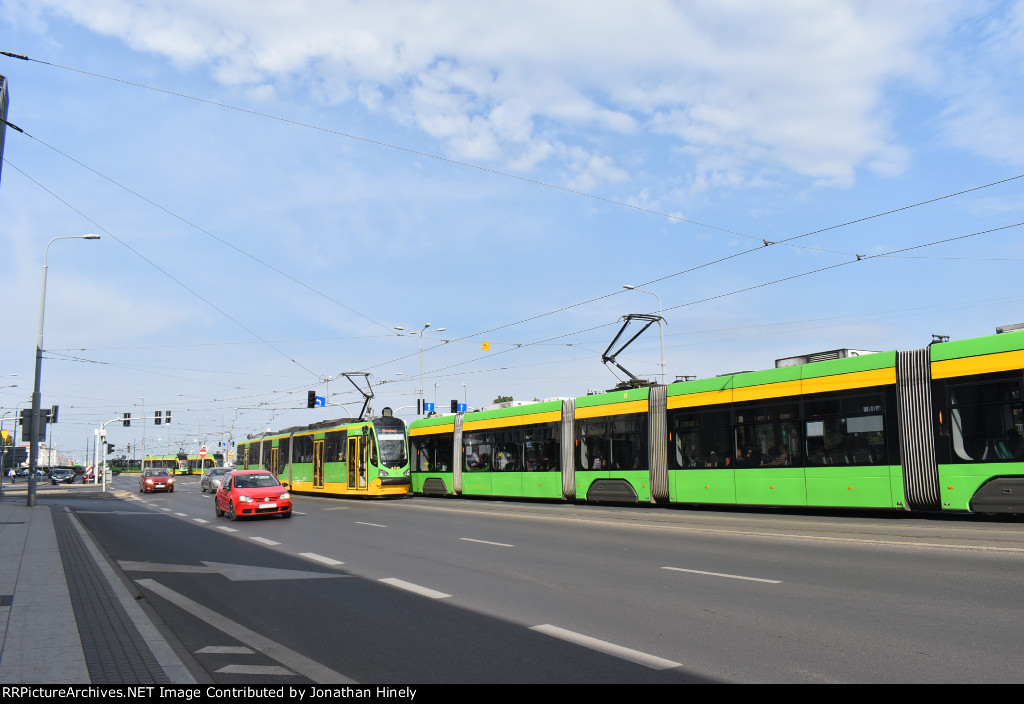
(35, 424)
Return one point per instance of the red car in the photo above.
(155, 480)
(252, 493)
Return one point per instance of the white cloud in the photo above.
(746, 86)
(983, 83)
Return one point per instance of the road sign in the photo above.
(202, 453)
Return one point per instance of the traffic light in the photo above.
(167, 418)
(53, 414)
(126, 420)
(311, 399)
(158, 417)
(110, 448)
(455, 405)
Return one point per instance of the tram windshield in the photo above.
(391, 441)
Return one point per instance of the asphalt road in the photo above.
(432, 590)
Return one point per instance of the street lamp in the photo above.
(661, 325)
(34, 426)
(419, 393)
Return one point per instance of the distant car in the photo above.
(158, 479)
(62, 475)
(211, 479)
(252, 493)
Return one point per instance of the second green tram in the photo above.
(184, 464)
(938, 428)
(342, 457)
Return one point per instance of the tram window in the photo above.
(507, 454)
(478, 451)
(768, 436)
(849, 430)
(987, 420)
(302, 448)
(267, 444)
(334, 446)
(541, 449)
(699, 440)
(614, 443)
(432, 453)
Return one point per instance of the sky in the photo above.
(279, 186)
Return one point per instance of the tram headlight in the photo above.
(383, 473)
(405, 473)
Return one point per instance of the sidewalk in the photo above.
(65, 615)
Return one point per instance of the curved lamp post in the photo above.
(419, 394)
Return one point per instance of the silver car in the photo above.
(211, 478)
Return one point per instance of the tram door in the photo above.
(356, 464)
(318, 464)
(274, 454)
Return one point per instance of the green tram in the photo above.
(194, 464)
(938, 428)
(175, 464)
(184, 464)
(344, 457)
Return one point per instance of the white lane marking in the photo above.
(165, 509)
(200, 520)
(336, 508)
(321, 558)
(375, 525)
(255, 670)
(225, 650)
(320, 674)
(603, 646)
(415, 588)
(487, 542)
(728, 576)
(183, 515)
(266, 541)
(298, 513)
(227, 529)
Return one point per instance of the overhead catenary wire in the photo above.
(163, 271)
(743, 290)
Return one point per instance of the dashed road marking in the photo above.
(603, 646)
(487, 542)
(321, 558)
(727, 576)
(415, 588)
